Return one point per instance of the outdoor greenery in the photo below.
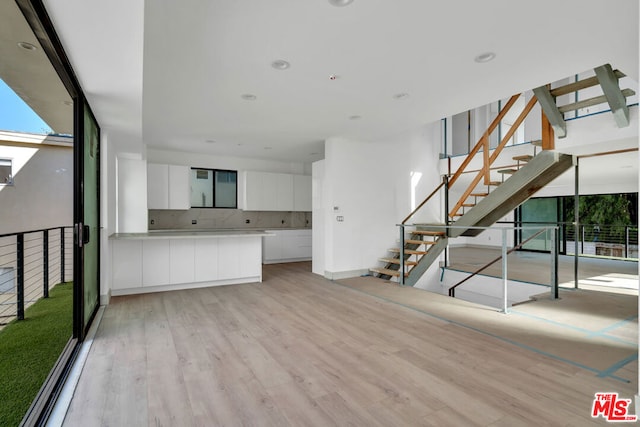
(605, 213)
(28, 350)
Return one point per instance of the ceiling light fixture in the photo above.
(485, 57)
(334, 77)
(27, 46)
(280, 64)
(402, 95)
(249, 97)
(340, 3)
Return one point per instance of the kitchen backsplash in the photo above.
(226, 218)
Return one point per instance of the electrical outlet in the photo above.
(247, 221)
(153, 221)
(194, 221)
(340, 218)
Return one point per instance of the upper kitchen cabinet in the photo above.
(302, 193)
(266, 191)
(168, 186)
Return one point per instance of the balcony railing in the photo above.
(31, 263)
(612, 241)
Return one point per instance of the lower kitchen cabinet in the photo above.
(151, 264)
(286, 246)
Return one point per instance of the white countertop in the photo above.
(189, 234)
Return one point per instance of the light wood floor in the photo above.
(300, 350)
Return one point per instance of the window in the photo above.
(6, 177)
(214, 188)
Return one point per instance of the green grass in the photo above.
(28, 350)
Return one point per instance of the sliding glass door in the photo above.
(89, 247)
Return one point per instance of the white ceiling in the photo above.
(171, 74)
(29, 72)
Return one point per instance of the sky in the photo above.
(17, 116)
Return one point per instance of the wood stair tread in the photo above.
(523, 158)
(494, 183)
(387, 272)
(397, 261)
(428, 233)
(468, 205)
(479, 194)
(408, 251)
(508, 171)
(420, 242)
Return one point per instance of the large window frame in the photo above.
(215, 190)
(38, 19)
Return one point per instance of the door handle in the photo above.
(82, 235)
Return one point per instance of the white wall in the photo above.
(42, 193)
(372, 185)
(319, 212)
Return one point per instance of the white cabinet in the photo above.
(272, 247)
(284, 192)
(265, 191)
(155, 262)
(157, 186)
(286, 246)
(168, 186)
(302, 193)
(206, 259)
(181, 261)
(179, 187)
(127, 264)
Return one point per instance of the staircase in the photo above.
(523, 183)
(485, 200)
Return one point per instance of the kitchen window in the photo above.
(214, 188)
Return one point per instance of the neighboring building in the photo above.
(36, 181)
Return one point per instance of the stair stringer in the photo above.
(425, 262)
(530, 178)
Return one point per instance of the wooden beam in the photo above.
(591, 101)
(580, 84)
(615, 98)
(549, 107)
(548, 141)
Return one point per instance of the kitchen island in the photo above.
(182, 259)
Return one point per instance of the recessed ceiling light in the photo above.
(248, 97)
(268, 148)
(334, 77)
(355, 117)
(485, 57)
(27, 46)
(210, 141)
(340, 3)
(280, 64)
(402, 95)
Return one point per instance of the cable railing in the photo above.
(613, 241)
(31, 263)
